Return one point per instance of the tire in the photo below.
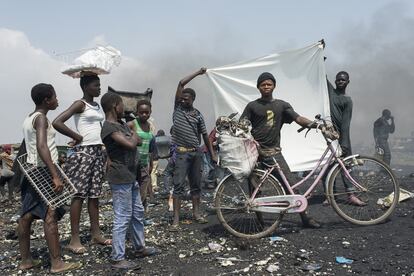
(231, 205)
(376, 177)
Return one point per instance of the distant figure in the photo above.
(383, 126)
(6, 170)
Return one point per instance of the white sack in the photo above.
(99, 61)
(301, 81)
(237, 154)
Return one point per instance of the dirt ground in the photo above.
(386, 249)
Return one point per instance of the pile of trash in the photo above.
(237, 147)
(230, 126)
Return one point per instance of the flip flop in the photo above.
(105, 242)
(67, 267)
(35, 264)
(77, 251)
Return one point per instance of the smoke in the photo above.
(161, 72)
(378, 55)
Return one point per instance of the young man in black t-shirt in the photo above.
(267, 116)
(341, 114)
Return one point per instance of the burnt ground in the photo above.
(386, 249)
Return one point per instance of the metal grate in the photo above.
(41, 180)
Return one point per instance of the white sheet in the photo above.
(301, 81)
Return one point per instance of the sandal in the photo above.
(103, 241)
(35, 264)
(77, 251)
(67, 267)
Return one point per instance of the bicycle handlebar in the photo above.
(318, 118)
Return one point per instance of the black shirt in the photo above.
(341, 115)
(382, 129)
(123, 165)
(267, 119)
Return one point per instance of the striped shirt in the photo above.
(187, 127)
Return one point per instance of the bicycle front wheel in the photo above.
(233, 212)
(378, 182)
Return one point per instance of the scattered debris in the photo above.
(215, 246)
(386, 201)
(272, 268)
(276, 239)
(346, 244)
(311, 267)
(263, 262)
(343, 260)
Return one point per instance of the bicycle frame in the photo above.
(332, 156)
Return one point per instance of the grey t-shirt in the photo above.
(123, 161)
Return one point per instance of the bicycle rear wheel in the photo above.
(231, 203)
(378, 180)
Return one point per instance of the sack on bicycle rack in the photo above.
(237, 154)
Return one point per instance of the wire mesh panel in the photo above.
(41, 179)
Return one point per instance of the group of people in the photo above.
(104, 146)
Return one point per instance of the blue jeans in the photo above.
(209, 170)
(129, 214)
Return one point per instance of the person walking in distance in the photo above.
(383, 127)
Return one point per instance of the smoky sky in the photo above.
(378, 54)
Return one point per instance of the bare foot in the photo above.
(30, 264)
(101, 241)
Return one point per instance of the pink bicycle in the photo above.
(254, 207)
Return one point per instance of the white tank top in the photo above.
(88, 123)
(29, 133)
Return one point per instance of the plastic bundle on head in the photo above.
(99, 60)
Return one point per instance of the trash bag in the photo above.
(237, 154)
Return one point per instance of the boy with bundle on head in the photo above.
(121, 144)
(41, 150)
(85, 167)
